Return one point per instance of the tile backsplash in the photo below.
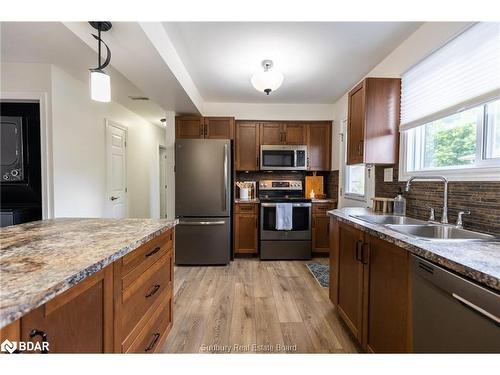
(331, 179)
(482, 199)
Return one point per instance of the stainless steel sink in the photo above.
(388, 219)
(439, 232)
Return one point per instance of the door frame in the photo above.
(163, 188)
(107, 124)
(46, 151)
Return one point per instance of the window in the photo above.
(450, 109)
(355, 180)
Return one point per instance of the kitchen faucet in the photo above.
(444, 218)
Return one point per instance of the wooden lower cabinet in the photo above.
(350, 279)
(321, 227)
(126, 307)
(369, 284)
(246, 228)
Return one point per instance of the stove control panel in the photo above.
(280, 185)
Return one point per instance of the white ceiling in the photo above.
(71, 50)
(320, 61)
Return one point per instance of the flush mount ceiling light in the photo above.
(267, 80)
(100, 84)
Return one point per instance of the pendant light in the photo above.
(100, 83)
(268, 80)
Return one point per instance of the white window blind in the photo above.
(463, 73)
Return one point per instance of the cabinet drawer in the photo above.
(143, 257)
(246, 208)
(322, 208)
(151, 337)
(153, 285)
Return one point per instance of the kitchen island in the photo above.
(107, 280)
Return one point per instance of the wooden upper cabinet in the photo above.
(350, 278)
(388, 302)
(319, 140)
(373, 121)
(189, 127)
(219, 127)
(247, 146)
(79, 320)
(192, 127)
(294, 134)
(271, 133)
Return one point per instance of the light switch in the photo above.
(388, 174)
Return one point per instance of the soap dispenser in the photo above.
(400, 204)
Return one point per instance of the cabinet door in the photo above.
(320, 234)
(271, 134)
(319, 146)
(245, 233)
(350, 276)
(78, 321)
(219, 127)
(294, 134)
(388, 298)
(189, 127)
(247, 146)
(356, 125)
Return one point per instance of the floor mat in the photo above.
(321, 273)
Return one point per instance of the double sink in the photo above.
(423, 230)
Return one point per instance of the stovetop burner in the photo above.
(285, 200)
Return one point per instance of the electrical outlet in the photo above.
(388, 174)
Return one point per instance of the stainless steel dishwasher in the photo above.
(452, 314)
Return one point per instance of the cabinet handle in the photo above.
(206, 130)
(153, 291)
(152, 252)
(202, 130)
(359, 244)
(152, 344)
(367, 246)
(258, 165)
(43, 335)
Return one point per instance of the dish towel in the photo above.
(284, 214)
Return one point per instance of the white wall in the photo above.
(170, 176)
(422, 42)
(78, 144)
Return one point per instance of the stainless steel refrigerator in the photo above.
(203, 201)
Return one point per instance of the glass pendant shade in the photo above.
(267, 80)
(100, 86)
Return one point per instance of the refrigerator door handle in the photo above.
(224, 204)
(201, 222)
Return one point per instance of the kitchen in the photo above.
(259, 216)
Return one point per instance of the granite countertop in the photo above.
(42, 259)
(253, 200)
(256, 200)
(479, 261)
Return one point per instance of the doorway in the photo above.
(163, 181)
(20, 163)
(116, 201)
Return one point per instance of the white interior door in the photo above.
(116, 155)
(163, 182)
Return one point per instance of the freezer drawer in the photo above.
(452, 314)
(203, 241)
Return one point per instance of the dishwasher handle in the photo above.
(476, 308)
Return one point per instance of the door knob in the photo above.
(113, 198)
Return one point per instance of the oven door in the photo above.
(301, 222)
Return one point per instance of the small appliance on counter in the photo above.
(246, 190)
(285, 220)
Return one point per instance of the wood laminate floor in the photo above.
(251, 306)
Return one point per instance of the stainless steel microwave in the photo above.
(283, 157)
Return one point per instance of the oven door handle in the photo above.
(293, 204)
